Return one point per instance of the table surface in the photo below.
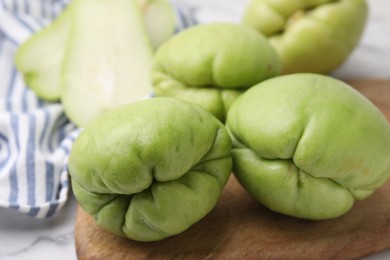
(24, 238)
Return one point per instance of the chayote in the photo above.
(40, 58)
(212, 64)
(310, 36)
(150, 169)
(308, 145)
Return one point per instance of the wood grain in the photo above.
(241, 228)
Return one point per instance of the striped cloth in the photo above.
(35, 136)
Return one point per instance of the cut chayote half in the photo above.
(212, 64)
(41, 57)
(151, 169)
(308, 145)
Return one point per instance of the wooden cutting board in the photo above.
(241, 228)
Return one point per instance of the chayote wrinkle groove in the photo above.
(289, 16)
(146, 223)
(164, 78)
(310, 123)
(98, 180)
(295, 186)
(293, 167)
(211, 65)
(290, 11)
(337, 142)
(113, 198)
(309, 36)
(161, 218)
(219, 97)
(158, 180)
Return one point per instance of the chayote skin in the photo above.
(310, 36)
(151, 169)
(212, 64)
(308, 145)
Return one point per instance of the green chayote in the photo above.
(310, 36)
(40, 59)
(212, 64)
(151, 169)
(308, 145)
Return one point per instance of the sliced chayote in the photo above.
(40, 59)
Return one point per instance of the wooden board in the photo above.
(241, 228)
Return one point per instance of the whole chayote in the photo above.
(312, 35)
(151, 169)
(308, 145)
(212, 64)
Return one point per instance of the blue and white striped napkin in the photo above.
(35, 136)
